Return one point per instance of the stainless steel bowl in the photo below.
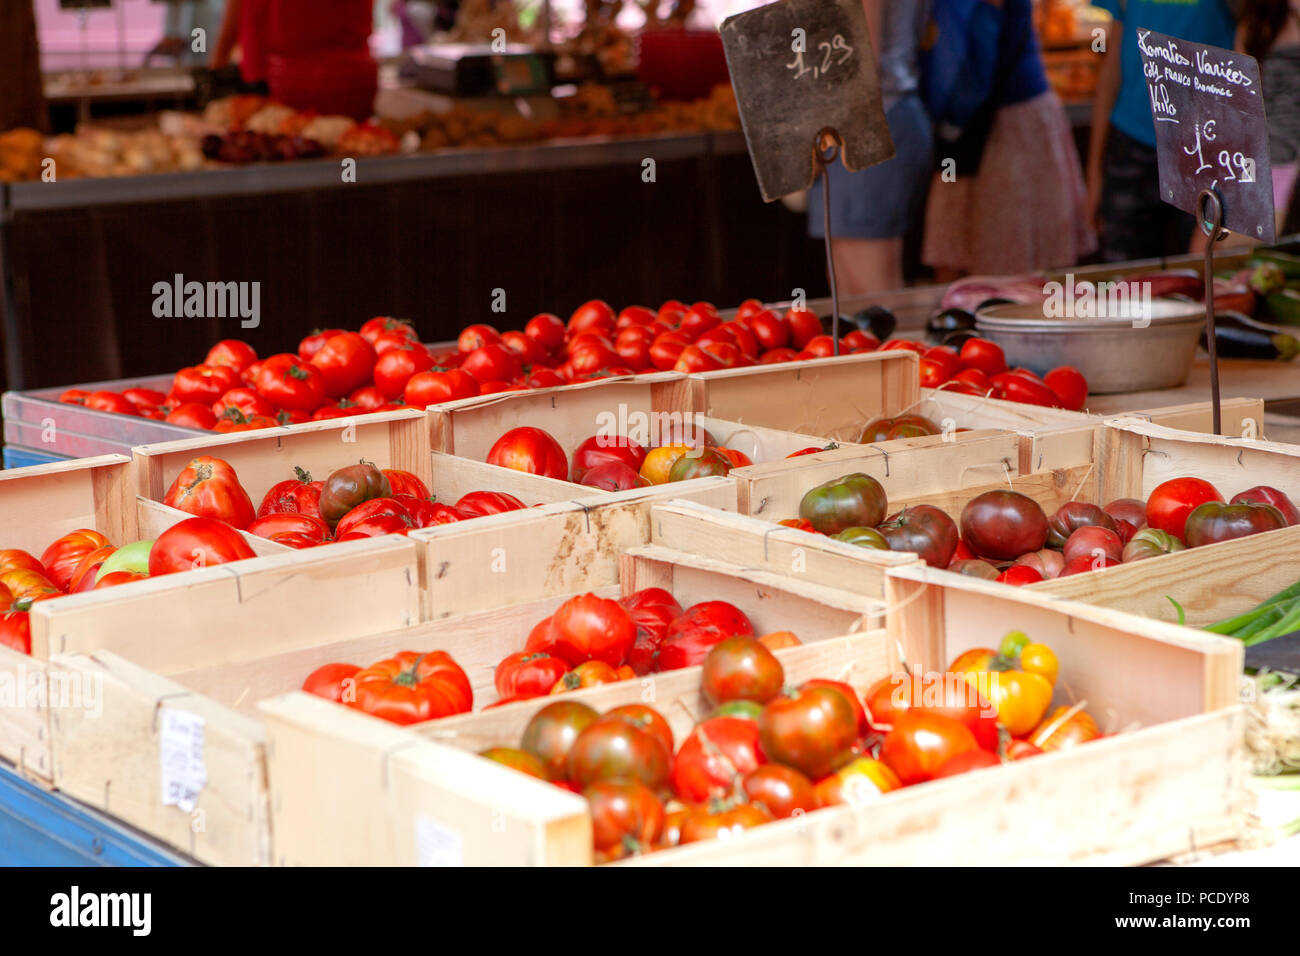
(1150, 345)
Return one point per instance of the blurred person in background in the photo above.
(22, 98)
(314, 55)
(873, 209)
(1269, 30)
(1123, 173)
(1017, 203)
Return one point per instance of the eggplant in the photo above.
(942, 324)
(877, 320)
(994, 302)
(956, 340)
(1238, 336)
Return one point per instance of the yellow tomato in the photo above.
(1039, 659)
(1021, 698)
(861, 781)
(659, 462)
(976, 659)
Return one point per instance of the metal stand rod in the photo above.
(1210, 219)
(825, 155)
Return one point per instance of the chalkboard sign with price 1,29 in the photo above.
(800, 67)
(1211, 131)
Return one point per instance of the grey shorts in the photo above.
(885, 201)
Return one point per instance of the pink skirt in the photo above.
(1024, 210)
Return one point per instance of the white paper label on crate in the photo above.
(437, 845)
(180, 750)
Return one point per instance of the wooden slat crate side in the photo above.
(1230, 464)
(25, 715)
(570, 413)
(221, 613)
(1210, 583)
(557, 549)
(905, 469)
(1238, 416)
(153, 518)
(1199, 671)
(834, 397)
(1151, 794)
(752, 542)
(109, 756)
(351, 790)
(41, 503)
(266, 456)
(759, 443)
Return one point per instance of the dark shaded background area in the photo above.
(431, 250)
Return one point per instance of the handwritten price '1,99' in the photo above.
(1230, 163)
(829, 59)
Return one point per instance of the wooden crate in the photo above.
(109, 756)
(646, 409)
(419, 795)
(836, 397)
(38, 505)
(111, 759)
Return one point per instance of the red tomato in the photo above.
(599, 449)
(804, 327)
(310, 345)
(1012, 387)
(591, 355)
(747, 309)
(298, 495)
(1069, 385)
(633, 347)
(975, 378)
(373, 518)
(984, 355)
(83, 576)
(966, 762)
(1019, 575)
(850, 695)
(694, 359)
(15, 630)
(478, 504)
(1172, 501)
(902, 345)
(698, 319)
(14, 559)
(61, 558)
(377, 326)
(593, 316)
(393, 369)
(859, 341)
(196, 543)
(691, 636)
(281, 523)
(436, 386)
(236, 421)
(367, 399)
(587, 627)
(544, 378)
(231, 353)
(244, 400)
(114, 578)
(667, 348)
(333, 681)
(524, 675)
(208, 487)
(492, 363)
(346, 362)
(715, 759)
(143, 398)
(819, 346)
(1263, 494)
(74, 396)
(405, 483)
(812, 729)
(527, 351)
(531, 450)
(770, 330)
(634, 315)
(652, 610)
(644, 718)
(412, 687)
(286, 381)
(203, 384)
(921, 743)
(546, 330)
(474, 337)
(778, 355)
(110, 402)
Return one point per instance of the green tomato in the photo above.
(132, 557)
(1012, 644)
(863, 538)
(853, 501)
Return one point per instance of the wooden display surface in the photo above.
(1170, 779)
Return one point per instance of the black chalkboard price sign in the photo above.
(1211, 131)
(800, 67)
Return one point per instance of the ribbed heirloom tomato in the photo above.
(602, 448)
(196, 543)
(690, 637)
(413, 687)
(333, 682)
(64, 554)
(652, 610)
(719, 753)
(208, 487)
(531, 450)
(297, 495)
(478, 504)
